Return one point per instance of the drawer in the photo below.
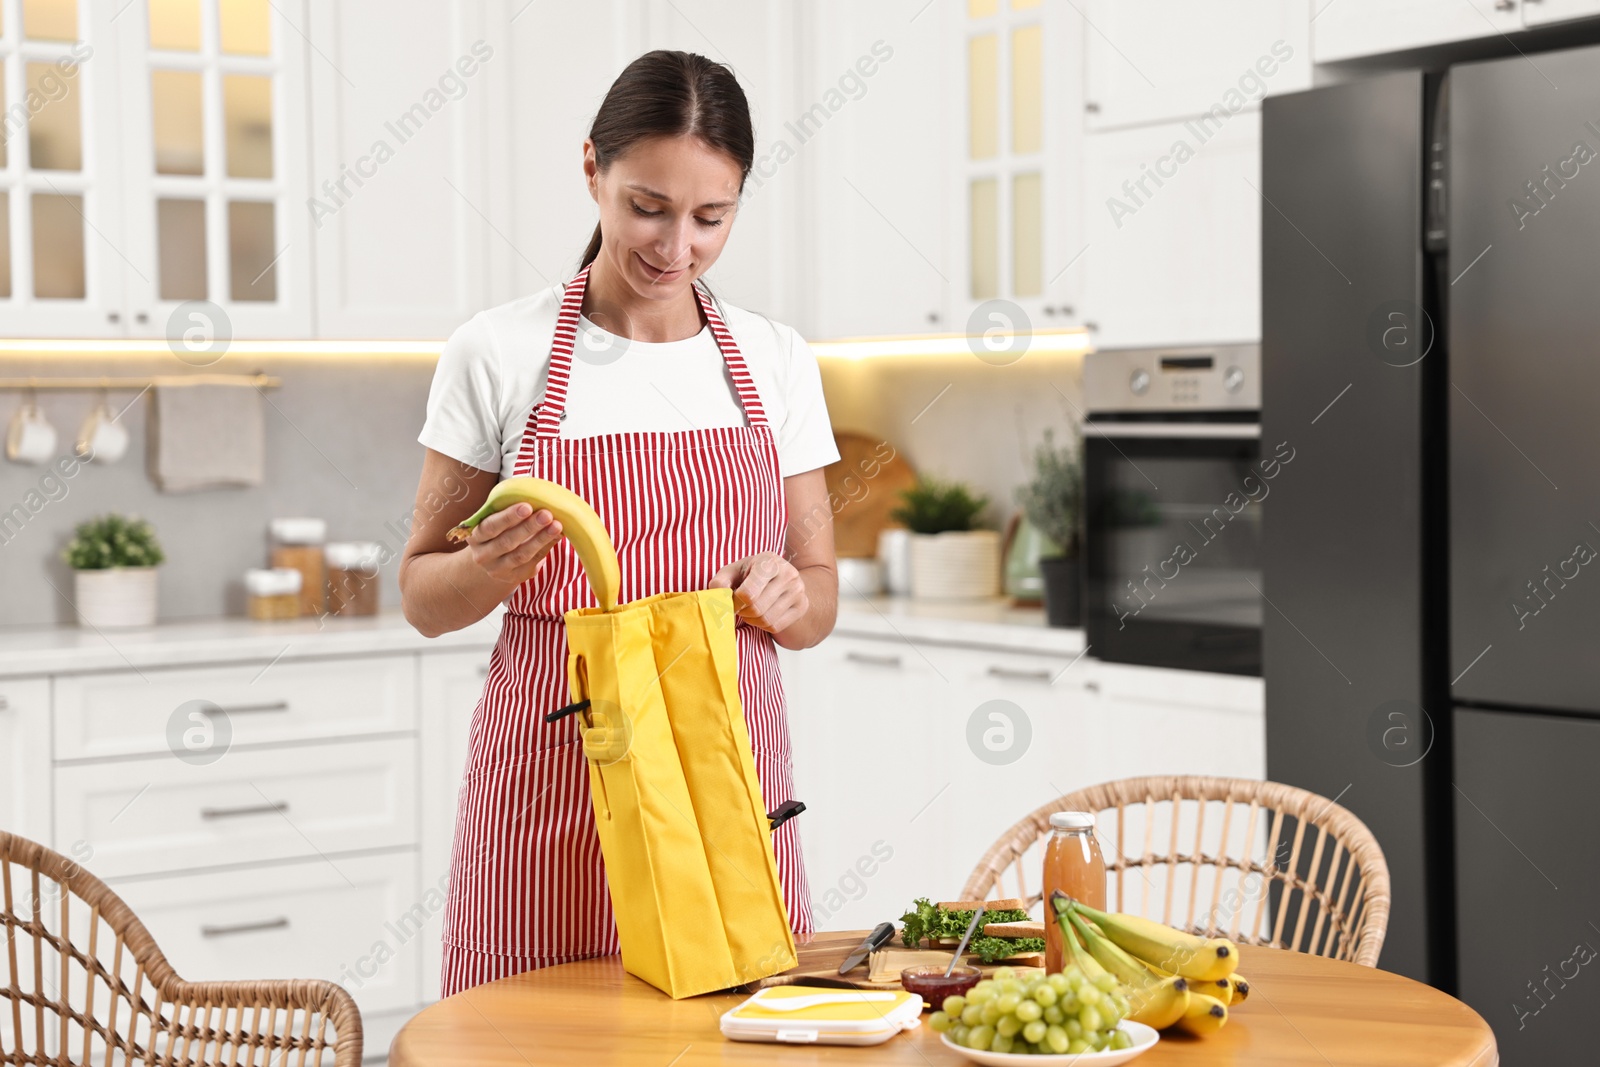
(124, 713)
(352, 920)
(151, 816)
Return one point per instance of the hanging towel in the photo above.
(205, 433)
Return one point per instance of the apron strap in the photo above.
(548, 422)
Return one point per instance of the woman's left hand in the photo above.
(767, 590)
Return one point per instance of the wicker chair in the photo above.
(1331, 893)
(87, 985)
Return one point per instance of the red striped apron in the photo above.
(527, 885)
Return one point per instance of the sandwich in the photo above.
(1005, 932)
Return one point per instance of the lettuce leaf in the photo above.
(990, 949)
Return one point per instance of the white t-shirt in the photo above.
(493, 370)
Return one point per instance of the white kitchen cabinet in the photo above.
(1011, 697)
(25, 799)
(563, 59)
(887, 735)
(159, 710)
(346, 919)
(401, 206)
(1179, 722)
(1349, 29)
(560, 60)
(901, 746)
(1544, 12)
(873, 149)
(759, 268)
(448, 687)
(1174, 225)
(148, 816)
(1157, 60)
(869, 724)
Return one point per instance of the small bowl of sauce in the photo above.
(933, 985)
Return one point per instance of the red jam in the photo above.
(933, 985)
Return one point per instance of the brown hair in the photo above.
(671, 94)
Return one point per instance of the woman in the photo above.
(699, 432)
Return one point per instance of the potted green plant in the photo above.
(951, 559)
(114, 560)
(1053, 504)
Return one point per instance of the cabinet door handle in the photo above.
(281, 922)
(5, 705)
(875, 660)
(1091, 687)
(250, 709)
(1031, 674)
(1507, 5)
(483, 671)
(248, 809)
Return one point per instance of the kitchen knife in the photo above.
(877, 939)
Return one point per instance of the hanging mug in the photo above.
(30, 439)
(101, 438)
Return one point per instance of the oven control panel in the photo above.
(1215, 378)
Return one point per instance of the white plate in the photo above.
(1144, 1038)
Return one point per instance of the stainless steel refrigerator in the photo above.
(1431, 648)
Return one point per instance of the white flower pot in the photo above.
(117, 597)
(955, 565)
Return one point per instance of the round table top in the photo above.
(1303, 1010)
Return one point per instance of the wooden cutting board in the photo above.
(863, 487)
(820, 959)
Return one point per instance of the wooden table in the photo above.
(1303, 1010)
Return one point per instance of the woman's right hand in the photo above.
(509, 545)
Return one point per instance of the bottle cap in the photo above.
(272, 581)
(1072, 820)
(363, 556)
(299, 531)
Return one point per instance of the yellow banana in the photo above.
(1241, 988)
(579, 523)
(1154, 1000)
(1077, 955)
(1221, 988)
(1197, 958)
(1206, 1015)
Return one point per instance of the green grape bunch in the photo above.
(1022, 1010)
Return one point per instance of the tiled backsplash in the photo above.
(341, 445)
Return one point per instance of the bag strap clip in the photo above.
(570, 709)
(784, 813)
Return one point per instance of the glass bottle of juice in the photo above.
(1072, 864)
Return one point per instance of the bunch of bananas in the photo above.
(1172, 978)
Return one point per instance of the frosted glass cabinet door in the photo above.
(1015, 163)
(61, 240)
(212, 114)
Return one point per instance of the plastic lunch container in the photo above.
(807, 1015)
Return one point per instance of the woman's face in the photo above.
(666, 207)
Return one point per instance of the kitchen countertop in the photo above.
(69, 649)
(186, 642)
(990, 623)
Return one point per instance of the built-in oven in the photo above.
(1175, 482)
